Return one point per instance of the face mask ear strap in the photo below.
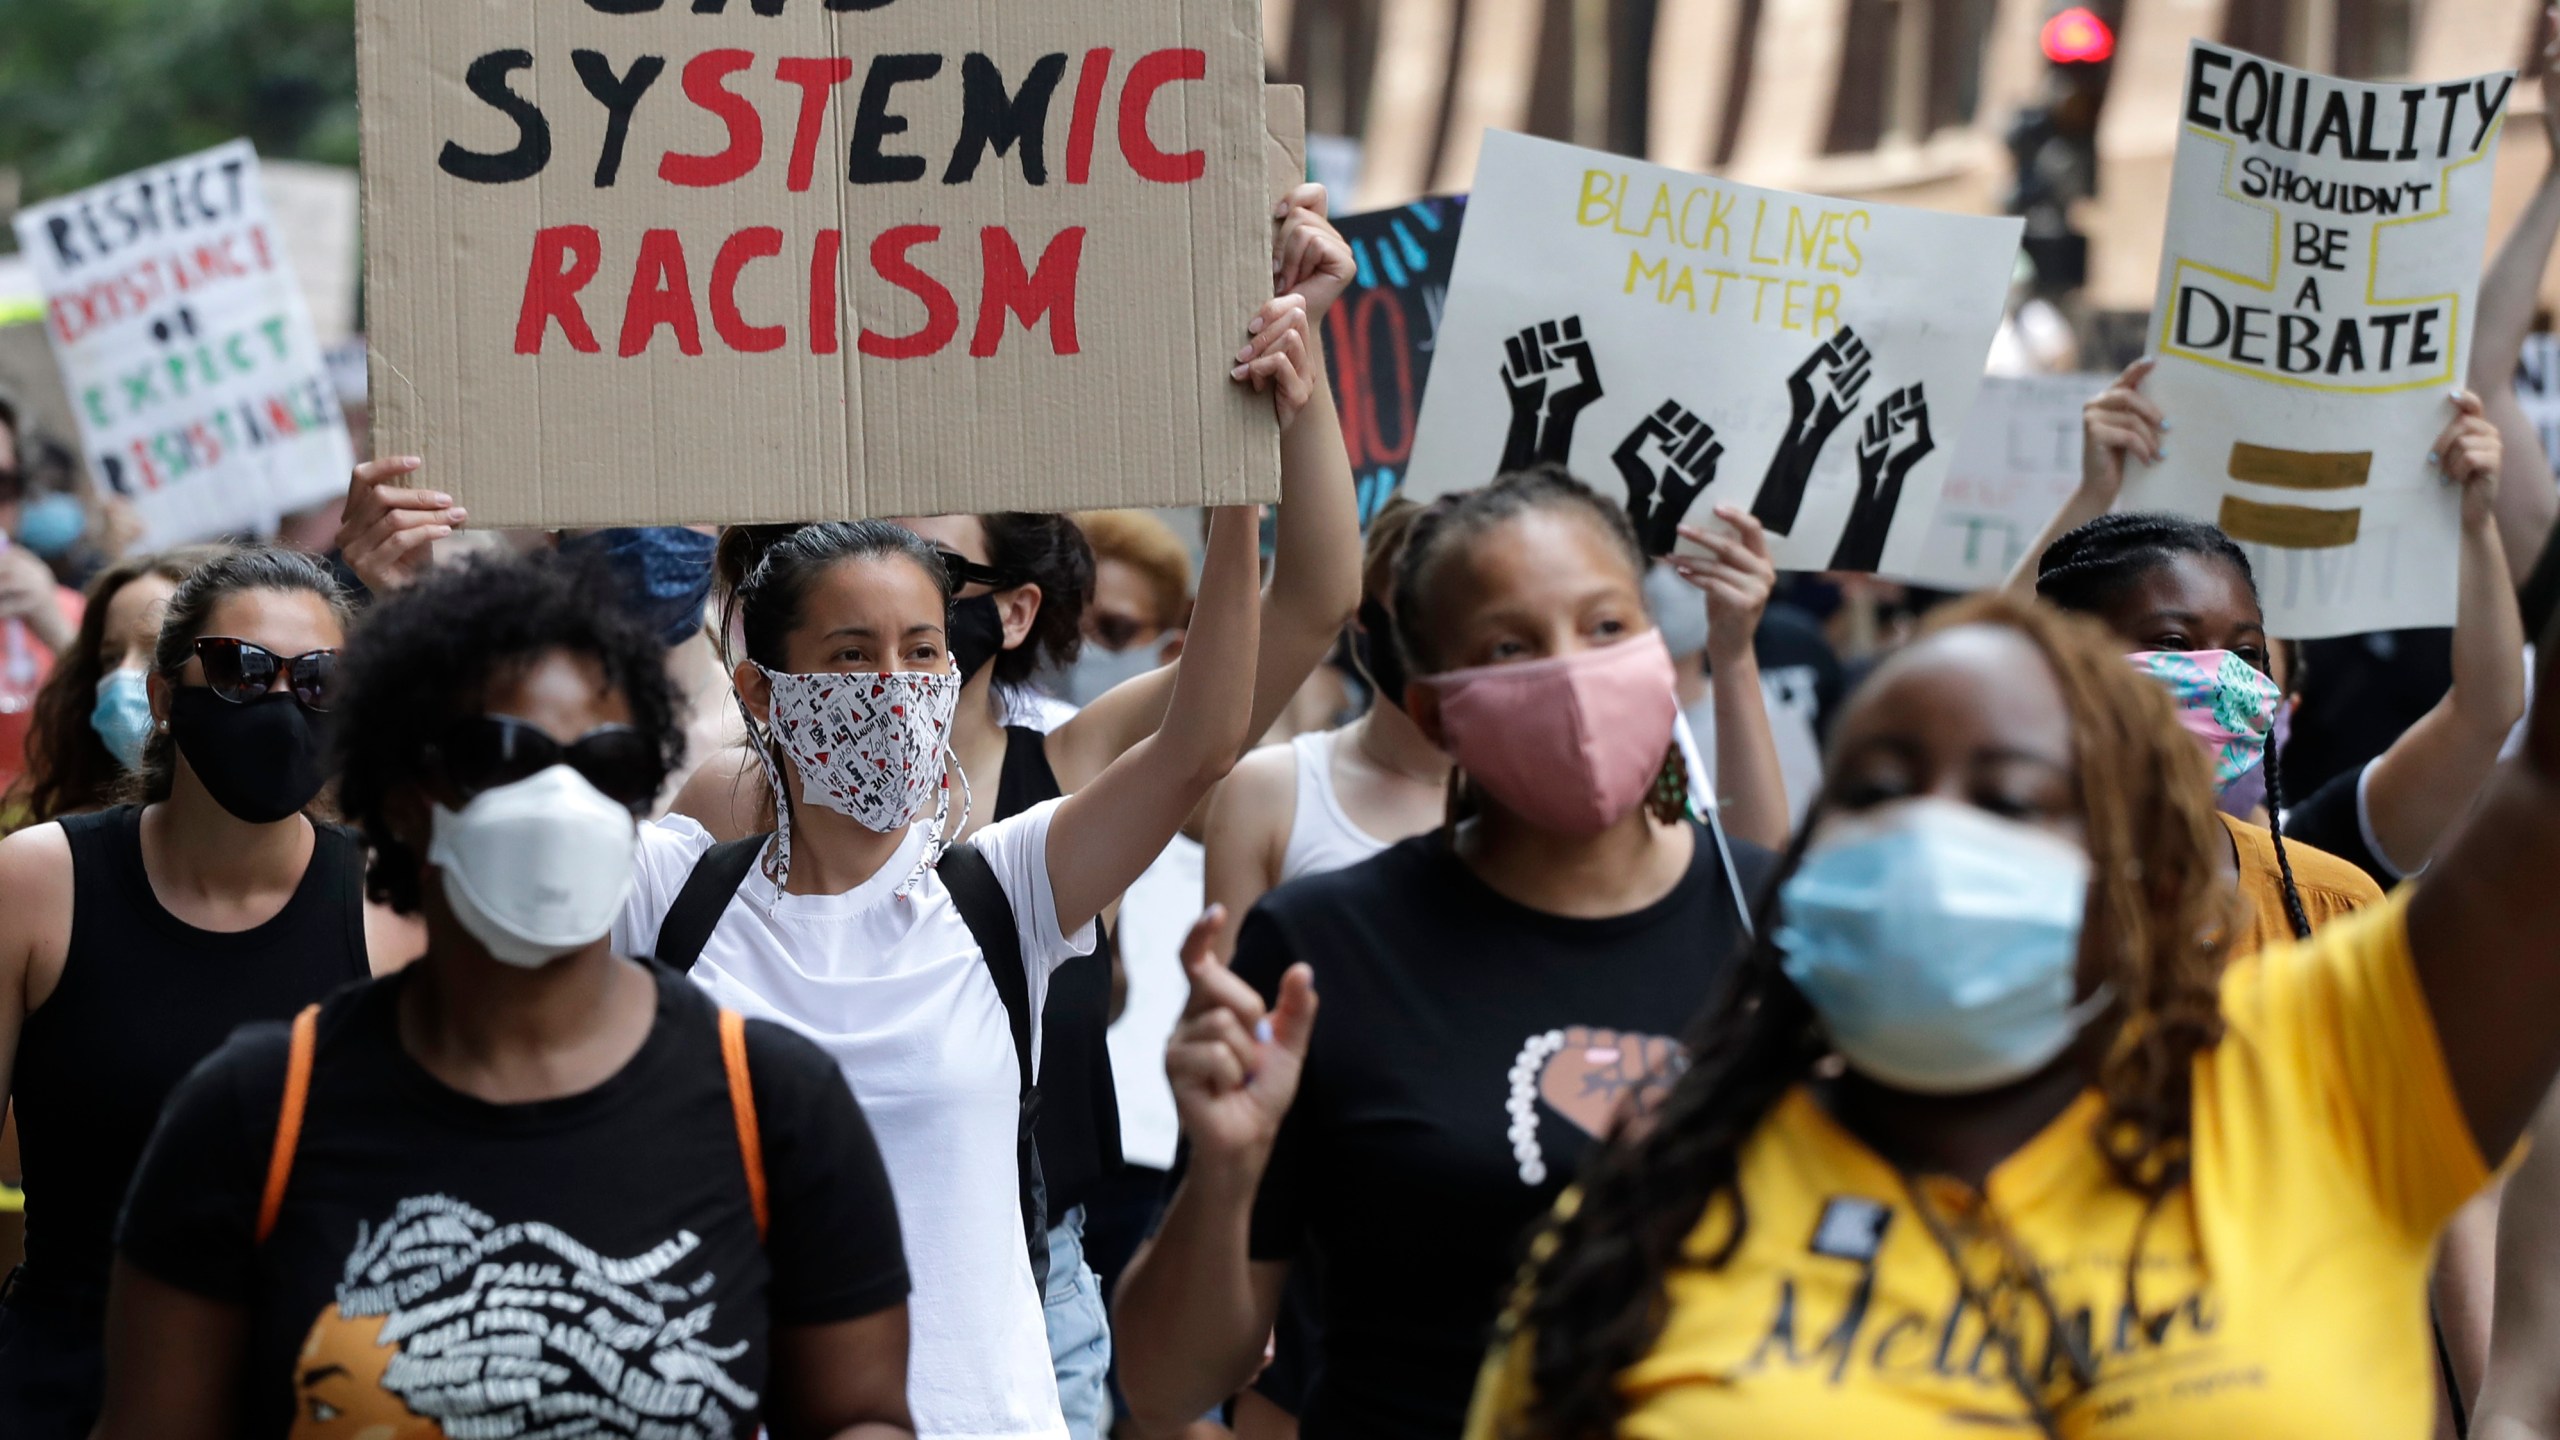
(938, 842)
(777, 855)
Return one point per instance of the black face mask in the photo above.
(1380, 656)
(977, 634)
(261, 761)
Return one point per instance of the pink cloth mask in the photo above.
(1569, 744)
(2222, 700)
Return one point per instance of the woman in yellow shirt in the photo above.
(1988, 1133)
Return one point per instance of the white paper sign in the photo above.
(2314, 316)
(186, 347)
(1685, 342)
(2015, 465)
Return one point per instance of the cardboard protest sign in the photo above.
(2015, 464)
(2316, 291)
(1690, 341)
(186, 347)
(1380, 337)
(649, 262)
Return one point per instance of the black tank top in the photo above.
(1078, 1127)
(143, 997)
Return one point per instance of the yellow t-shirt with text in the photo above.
(2281, 1293)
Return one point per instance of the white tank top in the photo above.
(1321, 836)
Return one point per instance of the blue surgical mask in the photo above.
(122, 716)
(1098, 671)
(1939, 944)
(50, 524)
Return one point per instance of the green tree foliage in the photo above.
(93, 88)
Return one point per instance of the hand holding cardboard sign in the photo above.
(1276, 359)
(1311, 259)
(387, 532)
(1542, 417)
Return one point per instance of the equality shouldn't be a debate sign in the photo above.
(661, 261)
(186, 347)
(2315, 313)
(1686, 341)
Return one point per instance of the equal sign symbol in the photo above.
(2294, 527)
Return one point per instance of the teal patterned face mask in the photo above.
(2223, 701)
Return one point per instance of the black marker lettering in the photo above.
(2410, 100)
(988, 117)
(2200, 61)
(620, 95)
(487, 78)
(872, 122)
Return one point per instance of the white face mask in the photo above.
(537, 869)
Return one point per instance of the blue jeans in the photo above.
(1079, 1331)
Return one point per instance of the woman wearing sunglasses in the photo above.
(524, 1185)
(132, 940)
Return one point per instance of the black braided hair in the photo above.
(2293, 911)
(2091, 568)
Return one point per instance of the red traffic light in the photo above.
(2078, 37)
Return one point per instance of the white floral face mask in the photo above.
(875, 748)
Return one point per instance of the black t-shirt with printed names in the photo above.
(590, 1261)
(1467, 1051)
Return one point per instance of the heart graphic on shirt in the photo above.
(1598, 1073)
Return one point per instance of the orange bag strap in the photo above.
(742, 1104)
(297, 1092)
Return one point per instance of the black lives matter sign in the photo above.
(638, 261)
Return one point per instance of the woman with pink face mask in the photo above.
(2182, 596)
(1496, 991)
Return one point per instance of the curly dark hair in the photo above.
(225, 574)
(69, 768)
(425, 658)
(1049, 551)
(2088, 570)
(2157, 908)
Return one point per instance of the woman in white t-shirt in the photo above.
(844, 928)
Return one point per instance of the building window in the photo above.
(1908, 69)
(2261, 27)
(2373, 38)
(2359, 39)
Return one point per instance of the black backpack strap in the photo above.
(981, 901)
(707, 892)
